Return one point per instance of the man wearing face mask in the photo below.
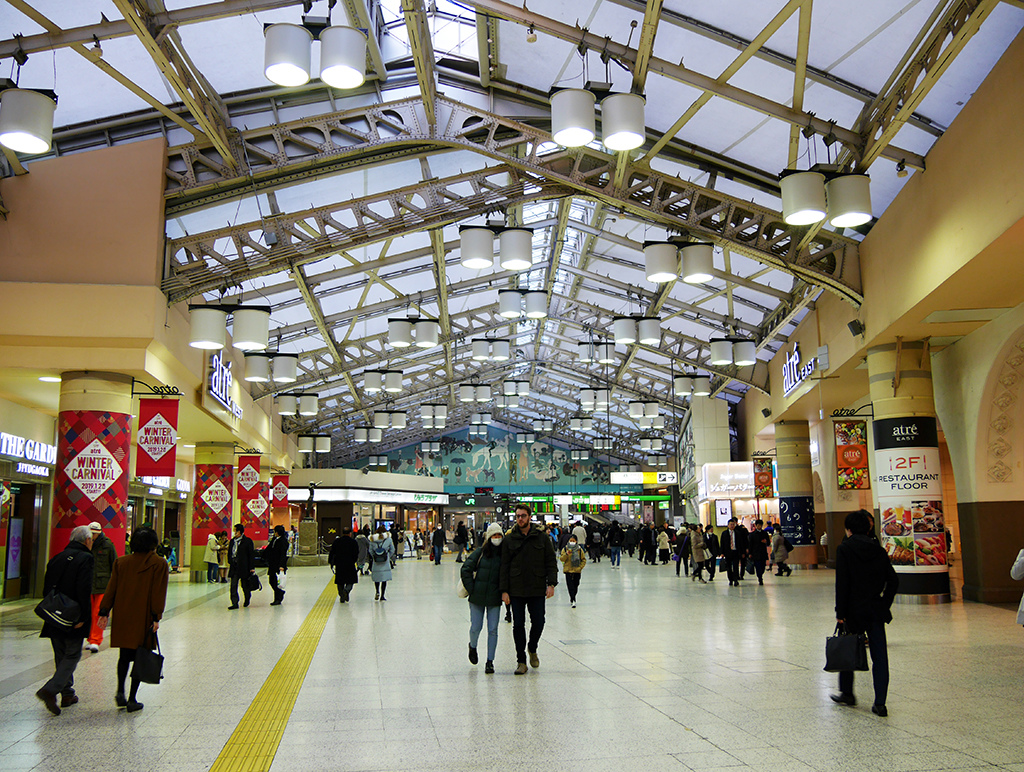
(529, 574)
(480, 573)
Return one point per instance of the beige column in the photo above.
(796, 490)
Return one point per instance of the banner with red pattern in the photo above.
(248, 477)
(211, 498)
(279, 489)
(255, 513)
(157, 438)
(91, 483)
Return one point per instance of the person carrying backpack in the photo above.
(381, 552)
(596, 545)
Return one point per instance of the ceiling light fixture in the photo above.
(286, 54)
(697, 262)
(26, 120)
(849, 200)
(572, 117)
(803, 197)
(516, 249)
(342, 57)
(510, 304)
(476, 247)
(622, 121)
(661, 259)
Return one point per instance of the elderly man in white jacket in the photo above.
(1017, 572)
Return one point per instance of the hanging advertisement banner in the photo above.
(157, 438)
(852, 471)
(92, 474)
(255, 513)
(211, 501)
(279, 489)
(248, 477)
(764, 478)
(913, 528)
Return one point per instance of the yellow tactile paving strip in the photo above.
(253, 744)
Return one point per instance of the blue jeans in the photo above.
(476, 623)
(616, 555)
(211, 572)
(437, 555)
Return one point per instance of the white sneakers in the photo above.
(93, 648)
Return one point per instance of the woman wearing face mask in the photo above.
(573, 560)
(480, 577)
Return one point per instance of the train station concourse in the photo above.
(400, 266)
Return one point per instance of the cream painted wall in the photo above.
(966, 381)
(30, 424)
(354, 478)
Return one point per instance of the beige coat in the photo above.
(697, 546)
(210, 556)
(566, 557)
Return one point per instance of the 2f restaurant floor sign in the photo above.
(93, 470)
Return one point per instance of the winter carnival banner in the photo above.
(280, 490)
(248, 477)
(211, 500)
(158, 437)
(255, 513)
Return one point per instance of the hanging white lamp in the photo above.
(523, 388)
(536, 304)
(602, 398)
(574, 424)
(373, 381)
(207, 327)
(441, 413)
(803, 197)
(285, 368)
(516, 249)
(650, 409)
(622, 121)
(588, 397)
(512, 402)
(636, 409)
(427, 333)
(322, 443)
(661, 259)
(481, 348)
(586, 351)
(682, 385)
(624, 329)
(702, 387)
(482, 393)
(359, 434)
(400, 333)
(467, 393)
(375, 434)
(393, 381)
(572, 117)
(849, 200)
(721, 353)
(476, 247)
(658, 422)
(381, 419)
(645, 443)
(549, 425)
(501, 350)
(697, 262)
(305, 443)
(744, 353)
(399, 419)
(587, 424)
(257, 368)
(605, 353)
(342, 57)
(309, 404)
(26, 121)
(649, 331)
(250, 328)
(287, 404)
(286, 54)
(510, 304)
(657, 443)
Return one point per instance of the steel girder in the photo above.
(287, 152)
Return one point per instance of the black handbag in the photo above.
(58, 609)
(253, 583)
(149, 664)
(845, 651)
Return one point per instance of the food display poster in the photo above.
(764, 478)
(913, 528)
(852, 471)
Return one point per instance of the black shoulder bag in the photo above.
(149, 664)
(57, 608)
(845, 651)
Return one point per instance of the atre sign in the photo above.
(217, 397)
(794, 372)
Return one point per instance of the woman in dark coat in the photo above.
(137, 593)
(480, 573)
(277, 562)
(342, 559)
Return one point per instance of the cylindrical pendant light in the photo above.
(661, 260)
(399, 419)
(501, 350)
(574, 424)
(257, 368)
(467, 393)
(427, 333)
(285, 368)
(649, 331)
(536, 304)
(508, 388)
(645, 443)
(603, 398)
(510, 304)
(702, 387)
(721, 353)
(287, 404)
(644, 422)
(605, 353)
(549, 425)
(26, 121)
(476, 247)
(400, 332)
(441, 412)
(427, 410)
(381, 419)
(427, 422)
(481, 349)
(393, 381)
(516, 249)
(658, 422)
(636, 409)
(483, 393)
(286, 54)
(650, 409)
(572, 117)
(523, 388)
(342, 57)
(359, 434)
(588, 397)
(305, 444)
(512, 402)
(322, 443)
(375, 434)
(373, 381)
(624, 329)
(698, 262)
(849, 200)
(682, 385)
(622, 121)
(744, 353)
(250, 328)
(208, 327)
(309, 404)
(587, 424)
(586, 351)
(803, 197)
(657, 443)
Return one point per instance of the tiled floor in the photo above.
(650, 672)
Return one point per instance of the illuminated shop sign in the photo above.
(181, 486)
(33, 470)
(794, 372)
(366, 495)
(219, 385)
(732, 480)
(19, 447)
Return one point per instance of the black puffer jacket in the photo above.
(866, 583)
(528, 563)
(480, 575)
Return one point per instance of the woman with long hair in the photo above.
(136, 593)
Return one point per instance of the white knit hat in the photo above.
(492, 530)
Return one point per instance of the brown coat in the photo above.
(136, 593)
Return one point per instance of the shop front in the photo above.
(727, 490)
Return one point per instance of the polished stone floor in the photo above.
(650, 672)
